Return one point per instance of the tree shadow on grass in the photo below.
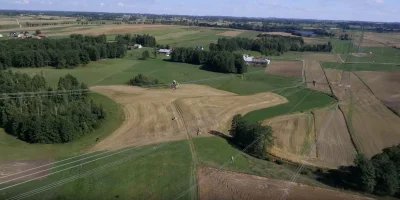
(342, 178)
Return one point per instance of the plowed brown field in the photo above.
(285, 68)
(224, 185)
(372, 125)
(385, 85)
(149, 112)
(314, 71)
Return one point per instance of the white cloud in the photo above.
(22, 2)
(120, 4)
(102, 4)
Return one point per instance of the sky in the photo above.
(363, 10)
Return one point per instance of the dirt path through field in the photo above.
(150, 112)
(225, 185)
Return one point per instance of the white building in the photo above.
(251, 60)
(137, 46)
(164, 51)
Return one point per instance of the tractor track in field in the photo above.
(193, 172)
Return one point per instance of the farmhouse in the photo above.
(200, 48)
(164, 51)
(250, 60)
(137, 46)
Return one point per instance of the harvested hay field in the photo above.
(313, 71)
(224, 185)
(230, 33)
(334, 145)
(293, 133)
(371, 124)
(285, 68)
(321, 57)
(214, 113)
(280, 33)
(149, 113)
(114, 29)
(385, 85)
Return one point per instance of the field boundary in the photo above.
(193, 171)
(398, 114)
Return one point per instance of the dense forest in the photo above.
(218, 61)
(47, 115)
(268, 44)
(144, 40)
(256, 138)
(381, 173)
(59, 53)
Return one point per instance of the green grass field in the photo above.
(151, 172)
(14, 149)
(379, 55)
(217, 152)
(300, 99)
(361, 67)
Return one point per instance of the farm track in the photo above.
(194, 193)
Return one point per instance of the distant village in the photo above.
(25, 35)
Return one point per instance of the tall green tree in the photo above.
(365, 173)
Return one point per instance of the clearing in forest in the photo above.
(150, 112)
(285, 68)
(217, 184)
(385, 85)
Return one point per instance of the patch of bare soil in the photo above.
(285, 68)
(385, 85)
(8, 170)
(315, 72)
(308, 40)
(359, 55)
(224, 185)
(150, 112)
(230, 33)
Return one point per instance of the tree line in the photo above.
(59, 53)
(58, 118)
(268, 44)
(218, 61)
(144, 40)
(381, 173)
(258, 139)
